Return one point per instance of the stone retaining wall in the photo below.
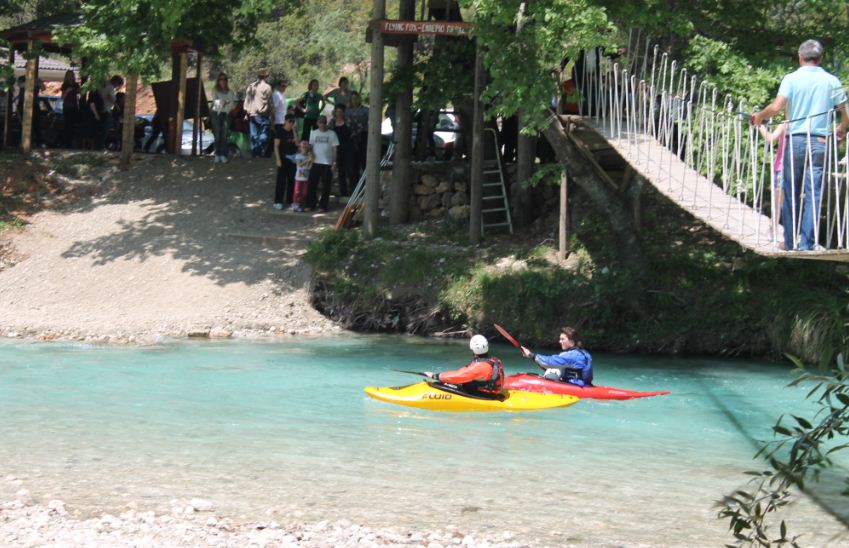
(441, 190)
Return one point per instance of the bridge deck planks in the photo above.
(703, 199)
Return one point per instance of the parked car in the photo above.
(116, 134)
(205, 138)
(50, 119)
(445, 130)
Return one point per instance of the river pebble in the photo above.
(24, 523)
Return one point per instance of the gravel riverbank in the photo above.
(195, 523)
(174, 247)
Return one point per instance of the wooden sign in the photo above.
(439, 28)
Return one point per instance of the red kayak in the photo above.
(535, 383)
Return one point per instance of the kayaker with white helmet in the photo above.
(574, 365)
(483, 375)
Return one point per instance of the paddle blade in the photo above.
(507, 336)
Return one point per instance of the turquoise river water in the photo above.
(286, 428)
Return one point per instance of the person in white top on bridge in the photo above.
(810, 95)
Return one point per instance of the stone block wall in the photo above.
(437, 190)
(440, 190)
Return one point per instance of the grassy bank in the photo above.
(705, 294)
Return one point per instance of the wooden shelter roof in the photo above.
(42, 30)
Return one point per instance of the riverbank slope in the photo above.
(174, 247)
(704, 294)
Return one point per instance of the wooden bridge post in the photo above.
(375, 118)
(563, 236)
(563, 225)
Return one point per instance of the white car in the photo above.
(205, 138)
(444, 134)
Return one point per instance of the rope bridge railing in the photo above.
(672, 127)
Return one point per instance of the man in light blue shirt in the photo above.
(812, 98)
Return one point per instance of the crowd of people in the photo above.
(309, 148)
(307, 160)
(89, 118)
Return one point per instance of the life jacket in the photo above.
(492, 385)
(584, 374)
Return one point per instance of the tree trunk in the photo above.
(525, 154)
(30, 98)
(10, 105)
(372, 190)
(615, 206)
(476, 175)
(196, 130)
(403, 136)
(179, 63)
(128, 138)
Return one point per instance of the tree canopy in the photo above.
(313, 39)
(743, 46)
(135, 36)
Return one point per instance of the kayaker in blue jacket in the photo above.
(574, 365)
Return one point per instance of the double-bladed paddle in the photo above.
(419, 373)
(508, 336)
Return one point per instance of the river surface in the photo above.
(285, 430)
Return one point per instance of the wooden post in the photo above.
(128, 137)
(563, 229)
(476, 176)
(563, 247)
(196, 113)
(375, 118)
(10, 103)
(181, 102)
(29, 98)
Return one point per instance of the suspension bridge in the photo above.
(697, 148)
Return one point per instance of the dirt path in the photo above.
(171, 248)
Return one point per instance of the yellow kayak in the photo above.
(426, 396)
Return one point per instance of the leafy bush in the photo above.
(801, 451)
(731, 72)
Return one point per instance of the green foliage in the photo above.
(731, 72)
(311, 40)
(534, 299)
(12, 223)
(330, 250)
(16, 12)
(802, 450)
(520, 63)
(766, 32)
(443, 71)
(546, 173)
(134, 36)
(72, 165)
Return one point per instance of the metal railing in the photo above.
(646, 99)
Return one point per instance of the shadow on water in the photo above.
(191, 209)
(826, 493)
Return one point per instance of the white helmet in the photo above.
(479, 345)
